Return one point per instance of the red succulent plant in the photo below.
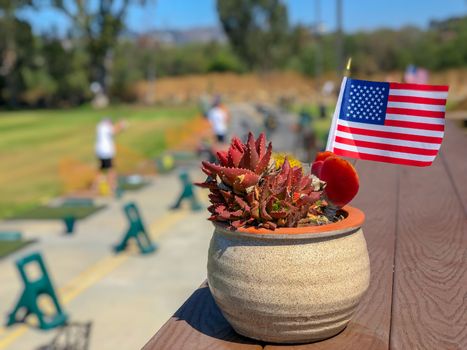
(248, 190)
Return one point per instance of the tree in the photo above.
(99, 24)
(67, 66)
(257, 30)
(8, 44)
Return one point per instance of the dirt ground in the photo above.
(271, 88)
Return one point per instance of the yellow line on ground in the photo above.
(98, 272)
(93, 274)
(12, 336)
(103, 267)
(159, 226)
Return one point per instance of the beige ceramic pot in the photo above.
(291, 285)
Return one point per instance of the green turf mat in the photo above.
(44, 212)
(78, 202)
(8, 247)
(132, 182)
(133, 187)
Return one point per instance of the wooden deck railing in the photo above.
(416, 230)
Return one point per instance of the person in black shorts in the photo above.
(105, 163)
(105, 152)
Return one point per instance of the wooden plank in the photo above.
(454, 156)
(430, 283)
(199, 325)
(370, 327)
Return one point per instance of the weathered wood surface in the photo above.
(416, 230)
(369, 328)
(430, 277)
(197, 325)
(454, 156)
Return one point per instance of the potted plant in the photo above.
(288, 261)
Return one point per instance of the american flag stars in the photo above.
(365, 102)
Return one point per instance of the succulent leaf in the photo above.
(223, 158)
(252, 153)
(316, 167)
(261, 145)
(264, 160)
(234, 156)
(237, 144)
(241, 177)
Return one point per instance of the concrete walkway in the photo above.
(127, 296)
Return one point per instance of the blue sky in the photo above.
(358, 14)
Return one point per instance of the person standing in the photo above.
(105, 152)
(218, 118)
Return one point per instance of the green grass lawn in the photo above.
(48, 213)
(32, 143)
(8, 247)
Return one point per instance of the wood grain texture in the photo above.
(454, 156)
(370, 326)
(199, 325)
(421, 212)
(430, 282)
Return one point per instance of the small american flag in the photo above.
(388, 122)
(415, 75)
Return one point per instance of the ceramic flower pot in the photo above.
(291, 285)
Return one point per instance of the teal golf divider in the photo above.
(188, 193)
(27, 303)
(136, 230)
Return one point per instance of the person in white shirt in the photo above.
(105, 150)
(218, 118)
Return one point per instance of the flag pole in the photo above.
(335, 117)
(348, 67)
(331, 210)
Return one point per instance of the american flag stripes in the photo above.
(388, 122)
